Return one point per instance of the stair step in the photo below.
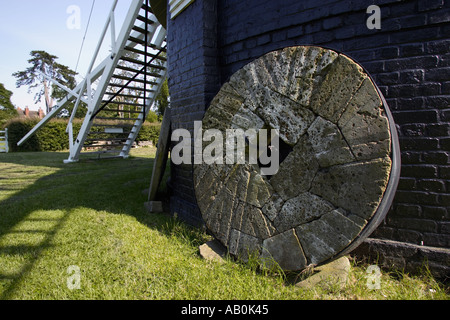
(140, 29)
(154, 47)
(162, 49)
(129, 87)
(99, 125)
(150, 74)
(109, 157)
(125, 95)
(134, 80)
(123, 103)
(117, 119)
(124, 111)
(128, 59)
(146, 7)
(112, 130)
(125, 68)
(137, 40)
(144, 19)
(103, 152)
(108, 139)
(141, 52)
(102, 136)
(112, 145)
(127, 102)
(142, 63)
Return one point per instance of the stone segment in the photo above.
(301, 210)
(259, 190)
(310, 69)
(226, 104)
(238, 182)
(314, 246)
(330, 234)
(218, 216)
(280, 113)
(342, 224)
(246, 119)
(364, 124)
(234, 203)
(255, 223)
(283, 250)
(243, 245)
(206, 183)
(356, 187)
(328, 143)
(273, 207)
(280, 66)
(340, 84)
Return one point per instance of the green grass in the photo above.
(91, 215)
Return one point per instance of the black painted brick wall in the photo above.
(409, 58)
(194, 80)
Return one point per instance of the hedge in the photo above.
(53, 136)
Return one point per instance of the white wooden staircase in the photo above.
(121, 90)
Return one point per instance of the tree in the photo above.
(58, 94)
(163, 100)
(7, 110)
(45, 63)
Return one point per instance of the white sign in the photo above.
(114, 130)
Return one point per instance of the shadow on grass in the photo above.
(32, 183)
(30, 253)
(35, 159)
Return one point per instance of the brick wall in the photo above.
(409, 59)
(194, 80)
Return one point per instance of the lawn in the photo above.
(80, 232)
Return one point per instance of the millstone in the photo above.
(331, 187)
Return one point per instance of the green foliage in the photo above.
(7, 110)
(44, 63)
(163, 99)
(149, 132)
(53, 136)
(152, 117)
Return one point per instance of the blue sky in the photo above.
(29, 25)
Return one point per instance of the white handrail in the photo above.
(102, 37)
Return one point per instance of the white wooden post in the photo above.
(4, 140)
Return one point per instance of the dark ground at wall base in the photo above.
(186, 212)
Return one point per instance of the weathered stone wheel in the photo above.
(340, 160)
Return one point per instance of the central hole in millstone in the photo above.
(284, 151)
